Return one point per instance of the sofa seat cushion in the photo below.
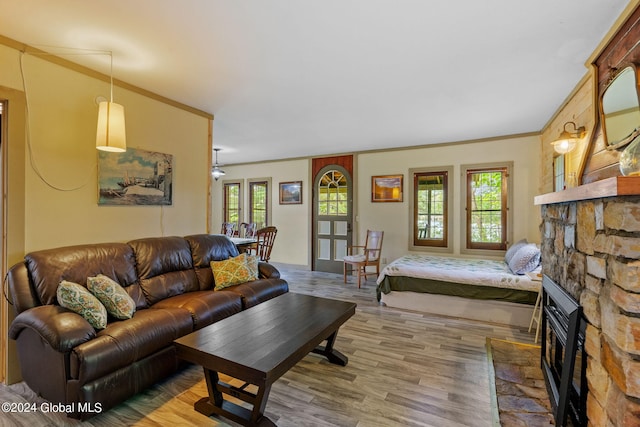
(205, 307)
(123, 342)
(258, 291)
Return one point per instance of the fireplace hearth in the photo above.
(563, 357)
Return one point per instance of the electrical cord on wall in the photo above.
(32, 160)
(161, 220)
(4, 289)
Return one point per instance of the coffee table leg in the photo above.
(333, 355)
(260, 405)
(208, 405)
(215, 403)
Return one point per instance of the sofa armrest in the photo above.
(62, 329)
(267, 271)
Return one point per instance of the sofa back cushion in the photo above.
(206, 248)
(47, 268)
(164, 267)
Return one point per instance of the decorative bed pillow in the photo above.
(527, 258)
(513, 249)
(113, 296)
(77, 298)
(232, 271)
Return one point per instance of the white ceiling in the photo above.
(290, 78)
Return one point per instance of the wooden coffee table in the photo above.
(259, 345)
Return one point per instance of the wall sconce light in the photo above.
(216, 172)
(568, 140)
(111, 134)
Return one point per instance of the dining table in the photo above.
(243, 243)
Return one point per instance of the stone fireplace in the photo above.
(591, 247)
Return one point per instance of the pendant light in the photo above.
(111, 127)
(216, 172)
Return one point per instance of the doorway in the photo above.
(332, 212)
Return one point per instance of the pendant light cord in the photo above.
(32, 160)
(111, 75)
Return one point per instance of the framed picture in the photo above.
(135, 177)
(291, 193)
(386, 188)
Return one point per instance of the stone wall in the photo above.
(592, 249)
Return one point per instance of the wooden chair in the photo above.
(264, 243)
(248, 230)
(370, 255)
(228, 229)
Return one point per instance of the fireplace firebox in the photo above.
(563, 356)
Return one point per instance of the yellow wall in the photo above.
(60, 170)
(293, 244)
(51, 188)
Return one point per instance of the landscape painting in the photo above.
(135, 177)
(386, 188)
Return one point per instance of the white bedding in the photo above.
(459, 270)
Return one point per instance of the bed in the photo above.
(478, 289)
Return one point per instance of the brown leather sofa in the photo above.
(65, 360)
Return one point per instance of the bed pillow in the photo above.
(77, 298)
(526, 259)
(113, 296)
(513, 249)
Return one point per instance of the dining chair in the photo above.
(228, 228)
(264, 243)
(370, 255)
(248, 230)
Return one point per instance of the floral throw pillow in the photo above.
(77, 298)
(113, 296)
(232, 271)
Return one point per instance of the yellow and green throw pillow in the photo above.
(233, 271)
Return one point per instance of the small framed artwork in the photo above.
(291, 193)
(386, 188)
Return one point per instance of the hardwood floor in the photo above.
(405, 369)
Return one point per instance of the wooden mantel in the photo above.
(609, 187)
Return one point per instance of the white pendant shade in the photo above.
(111, 129)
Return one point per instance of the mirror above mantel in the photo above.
(620, 109)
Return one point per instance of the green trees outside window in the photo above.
(487, 208)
